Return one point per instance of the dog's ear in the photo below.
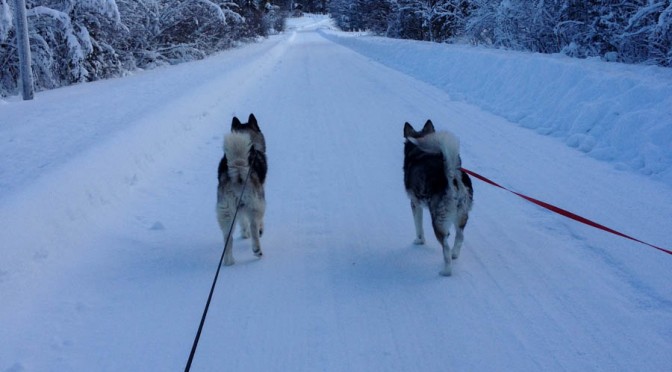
(252, 122)
(408, 130)
(428, 128)
(235, 123)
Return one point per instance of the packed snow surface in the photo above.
(110, 242)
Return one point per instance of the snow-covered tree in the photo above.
(378, 15)
(5, 20)
(192, 29)
(632, 31)
(135, 45)
(313, 6)
(647, 37)
(82, 40)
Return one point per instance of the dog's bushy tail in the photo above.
(237, 147)
(443, 142)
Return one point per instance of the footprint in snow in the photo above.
(157, 226)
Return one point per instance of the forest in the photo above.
(628, 31)
(74, 41)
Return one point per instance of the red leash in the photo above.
(563, 212)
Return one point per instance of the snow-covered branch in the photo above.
(84, 40)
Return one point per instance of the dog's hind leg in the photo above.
(255, 230)
(228, 251)
(447, 256)
(224, 224)
(244, 225)
(441, 231)
(225, 219)
(417, 219)
(459, 235)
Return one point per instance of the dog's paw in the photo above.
(229, 261)
(447, 269)
(259, 253)
(419, 241)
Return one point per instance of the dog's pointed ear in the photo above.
(408, 130)
(252, 122)
(235, 123)
(428, 128)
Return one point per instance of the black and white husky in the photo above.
(244, 153)
(433, 178)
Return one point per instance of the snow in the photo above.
(613, 112)
(110, 242)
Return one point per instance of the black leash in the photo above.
(221, 259)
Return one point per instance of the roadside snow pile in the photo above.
(613, 112)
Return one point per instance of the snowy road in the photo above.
(111, 246)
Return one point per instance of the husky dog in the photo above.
(433, 178)
(244, 154)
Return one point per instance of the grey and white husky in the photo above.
(244, 153)
(433, 178)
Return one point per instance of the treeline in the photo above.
(630, 31)
(76, 41)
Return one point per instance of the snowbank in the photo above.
(613, 112)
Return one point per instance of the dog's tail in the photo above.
(237, 147)
(443, 142)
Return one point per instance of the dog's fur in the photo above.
(433, 178)
(244, 152)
